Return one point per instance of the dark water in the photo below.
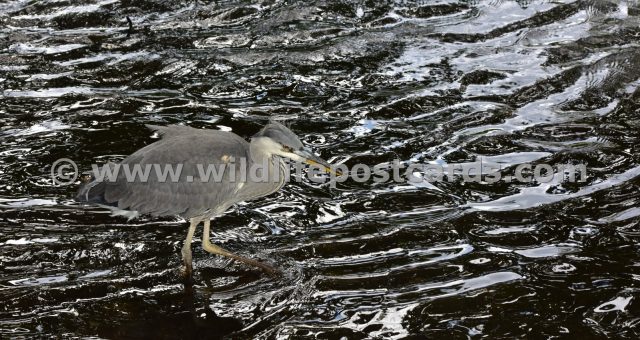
(360, 82)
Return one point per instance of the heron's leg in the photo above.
(213, 249)
(186, 248)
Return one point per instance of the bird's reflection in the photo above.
(205, 323)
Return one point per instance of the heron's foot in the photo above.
(217, 250)
(273, 272)
(214, 249)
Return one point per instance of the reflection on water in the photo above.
(361, 82)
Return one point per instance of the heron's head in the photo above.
(277, 139)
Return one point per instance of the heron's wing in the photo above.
(186, 148)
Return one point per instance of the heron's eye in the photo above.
(287, 148)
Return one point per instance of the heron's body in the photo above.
(188, 147)
(197, 200)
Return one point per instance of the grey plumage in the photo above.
(190, 147)
(179, 145)
(195, 199)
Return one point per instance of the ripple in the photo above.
(505, 82)
(546, 251)
(618, 304)
(31, 49)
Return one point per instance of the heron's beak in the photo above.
(314, 160)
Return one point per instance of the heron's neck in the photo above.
(260, 152)
(275, 168)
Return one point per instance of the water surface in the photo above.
(361, 82)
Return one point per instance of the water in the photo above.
(360, 82)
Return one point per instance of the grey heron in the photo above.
(200, 201)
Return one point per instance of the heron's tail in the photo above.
(92, 192)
